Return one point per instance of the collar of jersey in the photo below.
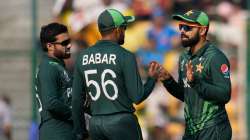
(200, 52)
(106, 42)
(59, 61)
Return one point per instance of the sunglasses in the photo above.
(63, 43)
(187, 28)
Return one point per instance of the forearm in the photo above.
(148, 88)
(174, 88)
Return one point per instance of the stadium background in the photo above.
(161, 115)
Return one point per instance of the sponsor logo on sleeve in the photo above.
(225, 70)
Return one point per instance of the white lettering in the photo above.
(91, 59)
(85, 60)
(112, 58)
(105, 59)
(98, 58)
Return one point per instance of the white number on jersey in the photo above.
(104, 84)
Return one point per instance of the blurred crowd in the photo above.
(154, 36)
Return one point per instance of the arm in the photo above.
(78, 99)
(174, 88)
(135, 89)
(49, 87)
(148, 88)
(219, 89)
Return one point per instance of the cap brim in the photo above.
(182, 18)
(129, 19)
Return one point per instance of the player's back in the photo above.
(102, 69)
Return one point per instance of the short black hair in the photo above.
(104, 33)
(49, 32)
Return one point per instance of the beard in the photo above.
(121, 39)
(67, 54)
(189, 42)
(62, 55)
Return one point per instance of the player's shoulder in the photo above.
(215, 55)
(126, 54)
(214, 52)
(48, 68)
(46, 63)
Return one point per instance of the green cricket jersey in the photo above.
(108, 73)
(53, 91)
(206, 96)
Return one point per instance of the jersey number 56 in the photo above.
(104, 84)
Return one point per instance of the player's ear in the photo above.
(117, 32)
(203, 31)
(49, 46)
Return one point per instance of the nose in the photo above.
(182, 31)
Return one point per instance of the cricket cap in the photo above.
(111, 18)
(193, 16)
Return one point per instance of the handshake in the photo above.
(157, 71)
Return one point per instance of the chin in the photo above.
(67, 56)
(185, 44)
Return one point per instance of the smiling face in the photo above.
(61, 47)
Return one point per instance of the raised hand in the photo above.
(154, 69)
(189, 72)
(164, 74)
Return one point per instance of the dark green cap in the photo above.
(193, 16)
(111, 18)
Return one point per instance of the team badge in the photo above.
(225, 70)
(199, 68)
(189, 13)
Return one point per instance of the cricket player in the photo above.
(54, 85)
(108, 74)
(204, 81)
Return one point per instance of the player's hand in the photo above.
(154, 69)
(164, 74)
(189, 72)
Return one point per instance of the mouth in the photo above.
(67, 52)
(184, 37)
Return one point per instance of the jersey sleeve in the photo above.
(78, 98)
(174, 88)
(218, 89)
(137, 92)
(51, 98)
